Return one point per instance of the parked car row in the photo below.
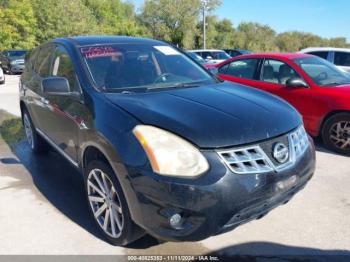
(164, 147)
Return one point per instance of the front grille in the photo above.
(246, 160)
(299, 141)
(259, 158)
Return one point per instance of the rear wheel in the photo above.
(108, 205)
(336, 133)
(36, 142)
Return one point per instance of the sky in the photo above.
(326, 18)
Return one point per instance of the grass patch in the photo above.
(11, 128)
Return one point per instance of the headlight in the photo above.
(169, 154)
(14, 62)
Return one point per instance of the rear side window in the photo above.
(30, 60)
(342, 59)
(223, 69)
(244, 68)
(62, 66)
(322, 54)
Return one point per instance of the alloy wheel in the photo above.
(340, 135)
(105, 203)
(28, 130)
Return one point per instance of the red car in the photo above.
(315, 87)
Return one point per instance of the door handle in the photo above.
(44, 100)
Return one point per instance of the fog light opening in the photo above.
(176, 221)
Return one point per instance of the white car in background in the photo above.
(338, 56)
(2, 76)
(211, 55)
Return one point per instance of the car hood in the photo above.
(214, 116)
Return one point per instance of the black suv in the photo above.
(12, 61)
(164, 147)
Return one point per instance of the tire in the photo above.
(336, 133)
(99, 175)
(37, 144)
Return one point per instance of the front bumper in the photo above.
(216, 202)
(17, 68)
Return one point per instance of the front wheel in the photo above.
(336, 133)
(108, 205)
(36, 142)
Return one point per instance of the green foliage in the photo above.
(62, 18)
(27, 23)
(114, 17)
(171, 20)
(11, 128)
(17, 23)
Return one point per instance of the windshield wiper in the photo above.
(185, 85)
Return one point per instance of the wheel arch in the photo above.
(105, 151)
(328, 116)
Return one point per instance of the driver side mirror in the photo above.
(296, 82)
(55, 86)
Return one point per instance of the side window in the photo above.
(244, 68)
(322, 54)
(43, 62)
(342, 59)
(30, 60)
(206, 54)
(62, 66)
(277, 72)
(223, 69)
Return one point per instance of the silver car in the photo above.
(338, 56)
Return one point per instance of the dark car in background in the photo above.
(163, 146)
(237, 52)
(12, 61)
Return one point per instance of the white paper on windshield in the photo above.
(166, 50)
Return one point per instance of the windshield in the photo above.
(141, 67)
(196, 57)
(220, 55)
(19, 53)
(322, 72)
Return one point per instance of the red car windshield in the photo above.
(322, 72)
(141, 67)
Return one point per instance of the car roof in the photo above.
(105, 39)
(314, 49)
(274, 55)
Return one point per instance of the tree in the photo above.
(17, 24)
(62, 18)
(173, 20)
(220, 33)
(289, 41)
(114, 17)
(255, 37)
